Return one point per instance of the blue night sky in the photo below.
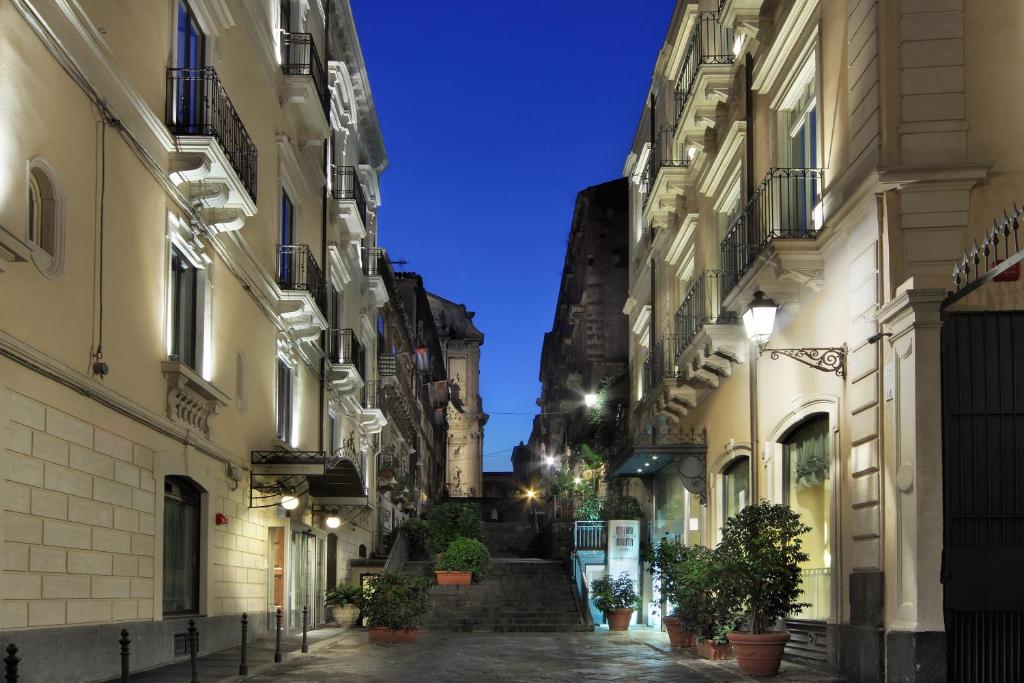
(495, 114)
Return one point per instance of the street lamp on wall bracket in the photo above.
(759, 322)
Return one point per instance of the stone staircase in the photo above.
(517, 595)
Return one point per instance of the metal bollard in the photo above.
(243, 666)
(277, 636)
(11, 664)
(124, 655)
(305, 628)
(193, 649)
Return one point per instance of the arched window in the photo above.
(807, 489)
(735, 487)
(45, 228)
(362, 551)
(182, 500)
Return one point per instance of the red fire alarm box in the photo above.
(221, 518)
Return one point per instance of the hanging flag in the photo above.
(422, 358)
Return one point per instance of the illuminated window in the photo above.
(735, 487)
(185, 295)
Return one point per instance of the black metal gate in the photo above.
(983, 494)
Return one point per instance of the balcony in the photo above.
(705, 75)
(214, 160)
(664, 178)
(349, 208)
(305, 82)
(374, 261)
(779, 223)
(347, 361)
(387, 366)
(371, 417)
(303, 295)
(646, 454)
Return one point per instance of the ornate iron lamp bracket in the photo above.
(826, 359)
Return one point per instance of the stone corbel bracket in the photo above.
(191, 400)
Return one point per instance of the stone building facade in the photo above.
(189, 286)
(840, 158)
(460, 345)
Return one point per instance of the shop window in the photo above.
(735, 487)
(45, 229)
(182, 550)
(807, 490)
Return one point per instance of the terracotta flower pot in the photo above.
(759, 654)
(382, 634)
(618, 619)
(708, 649)
(385, 473)
(344, 615)
(453, 578)
(677, 635)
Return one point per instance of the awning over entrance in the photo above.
(647, 454)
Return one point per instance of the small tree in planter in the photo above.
(761, 555)
(617, 598)
(394, 605)
(448, 521)
(703, 606)
(463, 560)
(664, 561)
(416, 531)
(343, 601)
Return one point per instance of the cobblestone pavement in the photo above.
(491, 657)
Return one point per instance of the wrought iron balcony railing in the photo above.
(345, 185)
(299, 57)
(664, 154)
(784, 205)
(371, 399)
(346, 349)
(297, 270)
(702, 306)
(371, 261)
(710, 43)
(302, 458)
(387, 365)
(197, 104)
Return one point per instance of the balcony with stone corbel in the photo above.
(302, 299)
(214, 159)
(374, 262)
(349, 210)
(705, 74)
(666, 176)
(304, 84)
(346, 362)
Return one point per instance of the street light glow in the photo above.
(759, 318)
(549, 461)
(289, 502)
(333, 522)
(590, 400)
(577, 481)
(530, 493)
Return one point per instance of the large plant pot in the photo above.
(708, 649)
(453, 578)
(381, 634)
(344, 616)
(677, 635)
(618, 619)
(759, 654)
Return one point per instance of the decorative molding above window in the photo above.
(726, 163)
(783, 44)
(213, 15)
(191, 400)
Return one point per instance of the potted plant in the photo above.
(393, 606)
(342, 600)
(761, 551)
(386, 470)
(617, 598)
(704, 606)
(665, 561)
(464, 559)
(450, 520)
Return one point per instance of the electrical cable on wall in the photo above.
(99, 367)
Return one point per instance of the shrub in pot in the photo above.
(393, 606)
(617, 598)
(703, 607)
(343, 600)
(450, 520)
(761, 555)
(416, 531)
(463, 560)
(663, 562)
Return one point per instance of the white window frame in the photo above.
(51, 265)
(179, 235)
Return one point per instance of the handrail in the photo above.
(581, 591)
(399, 553)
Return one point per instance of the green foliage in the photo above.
(662, 559)
(590, 509)
(618, 593)
(395, 600)
(465, 555)
(416, 530)
(343, 594)
(450, 520)
(695, 586)
(760, 562)
(607, 418)
(623, 507)
(592, 460)
(563, 484)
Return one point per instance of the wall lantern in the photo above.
(289, 502)
(759, 322)
(333, 522)
(590, 400)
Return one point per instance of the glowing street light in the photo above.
(759, 319)
(590, 400)
(289, 502)
(530, 493)
(577, 481)
(333, 522)
(549, 461)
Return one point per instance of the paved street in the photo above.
(490, 657)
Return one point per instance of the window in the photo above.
(45, 224)
(190, 54)
(185, 288)
(807, 489)
(286, 235)
(181, 546)
(284, 401)
(798, 149)
(735, 487)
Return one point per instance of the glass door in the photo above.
(189, 57)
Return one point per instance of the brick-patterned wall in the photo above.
(239, 555)
(78, 522)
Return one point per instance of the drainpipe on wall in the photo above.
(755, 456)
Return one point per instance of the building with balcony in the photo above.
(189, 411)
(838, 159)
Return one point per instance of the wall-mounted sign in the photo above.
(624, 550)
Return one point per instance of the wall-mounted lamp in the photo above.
(289, 502)
(590, 400)
(759, 322)
(332, 522)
